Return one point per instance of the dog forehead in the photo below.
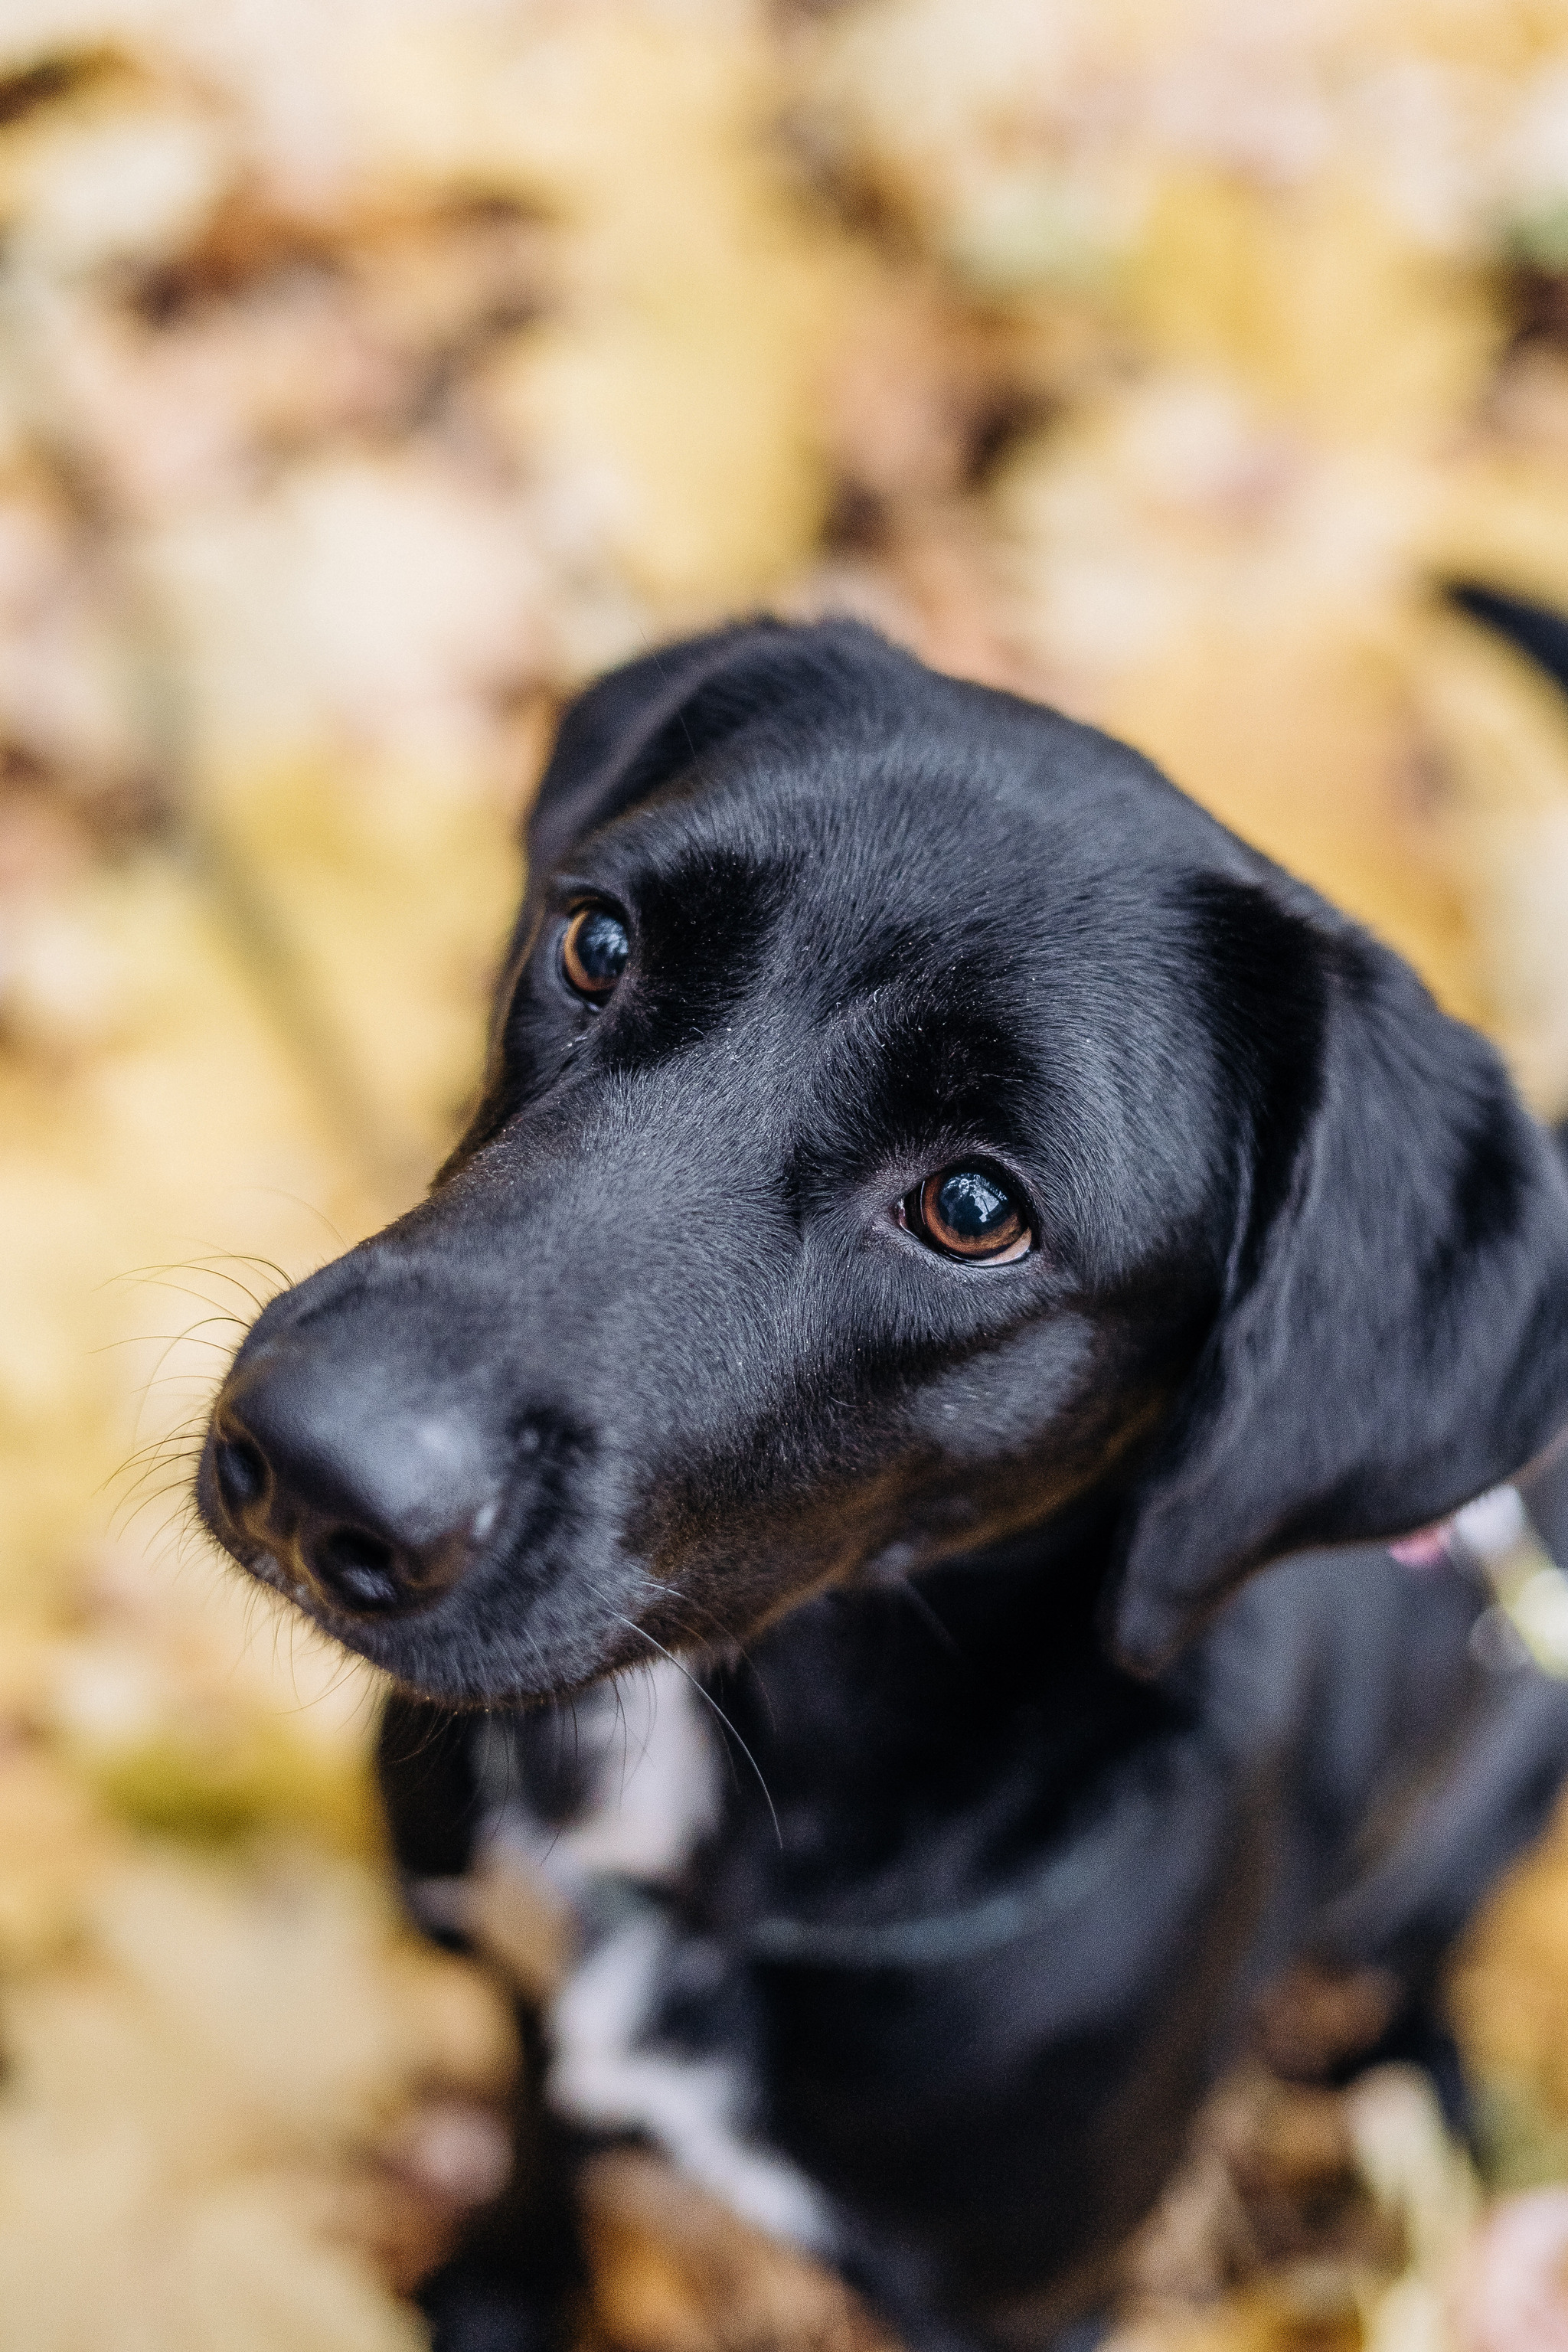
(979, 911)
(836, 827)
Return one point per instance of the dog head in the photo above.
(907, 1116)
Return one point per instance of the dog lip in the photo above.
(268, 1570)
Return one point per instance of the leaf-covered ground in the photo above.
(369, 373)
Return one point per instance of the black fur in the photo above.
(656, 1369)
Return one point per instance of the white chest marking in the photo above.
(654, 1790)
(605, 2074)
(653, 1795)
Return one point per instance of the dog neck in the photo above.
(920, 1738)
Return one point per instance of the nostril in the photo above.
(356, 1567)
(241, 1473)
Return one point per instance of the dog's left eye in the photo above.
(968, 1213)
(595, 951)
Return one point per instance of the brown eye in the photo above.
(595, 951)
(970, 1213)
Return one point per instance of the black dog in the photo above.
(943, 1213)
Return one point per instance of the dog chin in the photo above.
(452, 1665)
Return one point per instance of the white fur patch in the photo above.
(654, 1790)
(653, 1795)
(604, 2076)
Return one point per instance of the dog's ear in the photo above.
(655, 719)
(1394, 1334)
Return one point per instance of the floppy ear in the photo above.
(636, 727)
(655, 718)
(1394, 1335)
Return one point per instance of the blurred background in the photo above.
(372, 371)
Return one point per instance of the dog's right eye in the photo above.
(595, 951)
(968, 1213)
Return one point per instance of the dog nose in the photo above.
(375, 1507)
